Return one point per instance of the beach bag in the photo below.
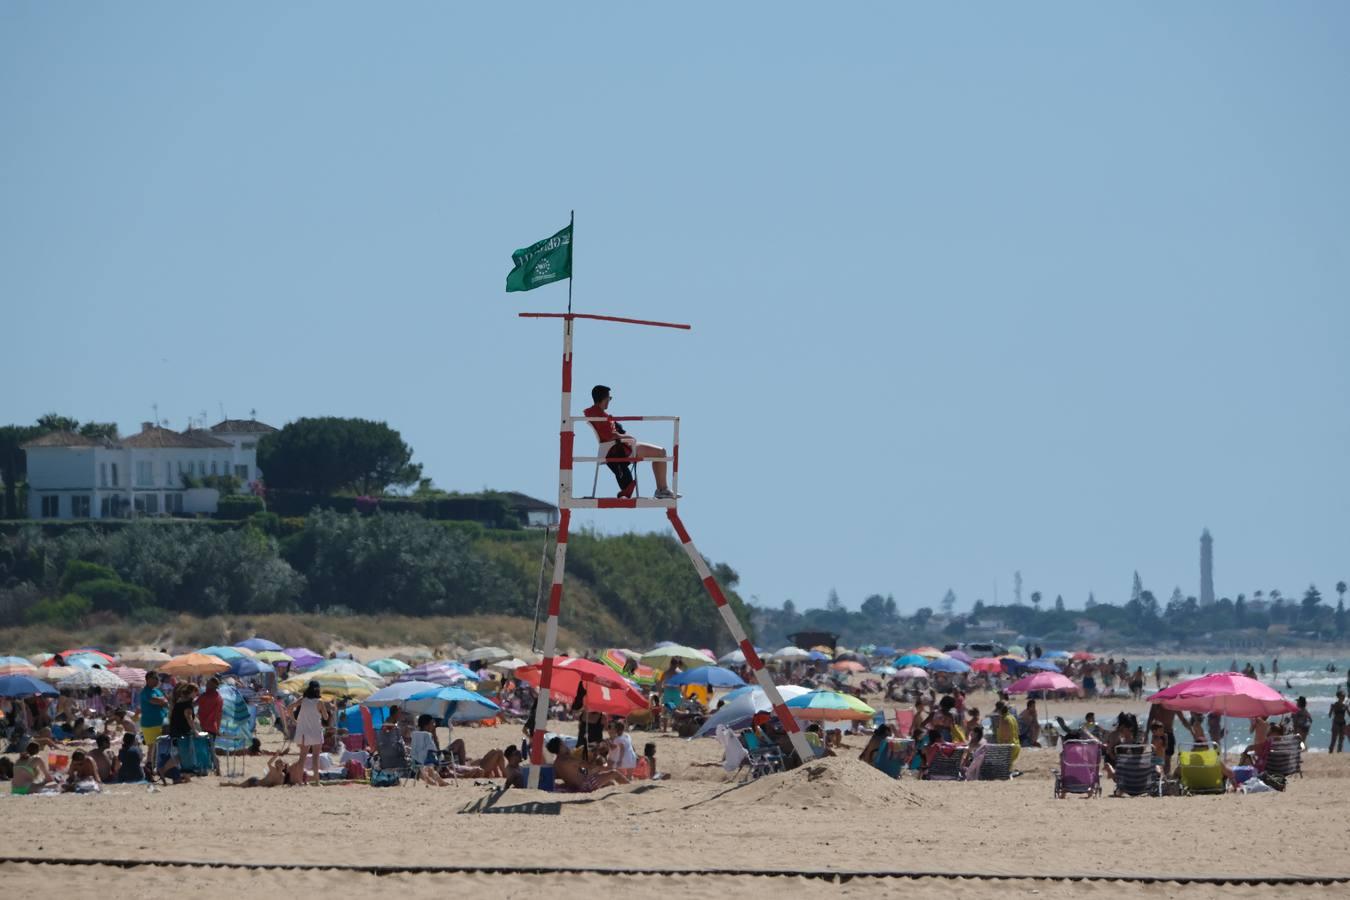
(384, 778)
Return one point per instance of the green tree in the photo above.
(949, 602)
(1340, 616)
(14, 463)
(1340, 590)
(1036, 600)
(1059, 603)
(331, 455)
(1312, 599)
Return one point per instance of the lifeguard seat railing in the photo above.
(672, 457)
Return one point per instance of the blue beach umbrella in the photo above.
(948, 664)
(911, 659)
(245, 666)
(1057, 654)
(25, 686)
(453, 703)
(257, 643)
(1042, 664)
(712, 676)
(224, 653)
(885, 651)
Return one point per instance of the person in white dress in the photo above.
(310, 713)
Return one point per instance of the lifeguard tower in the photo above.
(568, 501)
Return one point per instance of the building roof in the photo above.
(62, 439)
(242, 426)
(152, 436)
(526, 502)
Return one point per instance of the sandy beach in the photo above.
(837, 815)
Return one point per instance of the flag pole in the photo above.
(571, 227)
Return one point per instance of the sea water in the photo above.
(1300, 676)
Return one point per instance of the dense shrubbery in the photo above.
(238, 506)
(633, 588)
(488, 509)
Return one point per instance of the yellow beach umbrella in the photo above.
(332, 685)
(273, 656)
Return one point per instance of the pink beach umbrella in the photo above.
(912, 672)
(1226, 693)
(1043, 681)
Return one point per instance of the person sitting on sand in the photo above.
(874, 744)
(621, 754)
(491, 765)
(172, 770)
(515, 777)
(975, 751)
(278, 773)
(130, 765)
(30, 771)
(569, 770)
(426, 749)
(104, 759)
(82, 778)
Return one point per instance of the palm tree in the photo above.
(1340, 589)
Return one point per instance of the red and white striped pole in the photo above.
(565, 440)
(804, 752)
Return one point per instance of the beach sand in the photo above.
(835, 814)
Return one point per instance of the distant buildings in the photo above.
(1206, 568)
(71, 476)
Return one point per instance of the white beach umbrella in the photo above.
(486, 654)
(83, 679)
(790, 654)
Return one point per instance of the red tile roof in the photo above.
(242, 426)
(155, 437)
(62, 439)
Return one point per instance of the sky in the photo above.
(975, 288)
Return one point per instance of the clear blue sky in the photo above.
(1046, 287)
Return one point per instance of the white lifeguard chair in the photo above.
(567, 502)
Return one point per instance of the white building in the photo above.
(71, 476)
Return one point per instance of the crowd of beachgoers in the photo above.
(84, 718)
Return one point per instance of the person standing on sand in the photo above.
(310, 714)
(1337, 713)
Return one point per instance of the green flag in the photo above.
(543, 263)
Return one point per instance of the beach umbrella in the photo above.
(910, 659)
(790, 654)
(734, 658)
(18, 670)
(453, 703)
(83, 679)
(246, 666)
(56, 673)
(887, 671)
(1056, 654)
(619, 660)
(830, 706)
(256, 643)
(1226, 693)
(911, 672)
(885, 651)
(817, 656)
(273, 656)
(347, 667)
(39, 659)
(1043, 681)
(441, 673)
(987, 664)
(225, 653)
(508, 665)
(948, 664)
(928, 652)
(961, 655)
(387, 666)
(848, 656)
(15, 661)
(398, 693)
(24, 686)
(1083, 655)
(236, 720)
(1015, 650)
(569, 672)
(1043, 664)
(302, 657)
(741, 706)
(87, 661)
(614, 701)
(108, 659)
(660, 657)
(486, 655)
(332, 685)
(145, 659)
(848, 665)
(712, 676)
(133, 676)
(190, 664)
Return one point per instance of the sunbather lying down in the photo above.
(492, 765)
(568, 770)
(278, 773)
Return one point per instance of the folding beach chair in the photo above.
(997, 764)
(392, 755)
(1080, 770)
(1285, 757)
(1135, 775)
(893, 756)
(1200, 771)
(763, 759)
(946, 762)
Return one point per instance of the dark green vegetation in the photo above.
(333, 455)
(632, 589)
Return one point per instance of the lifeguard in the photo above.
(626, 447)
